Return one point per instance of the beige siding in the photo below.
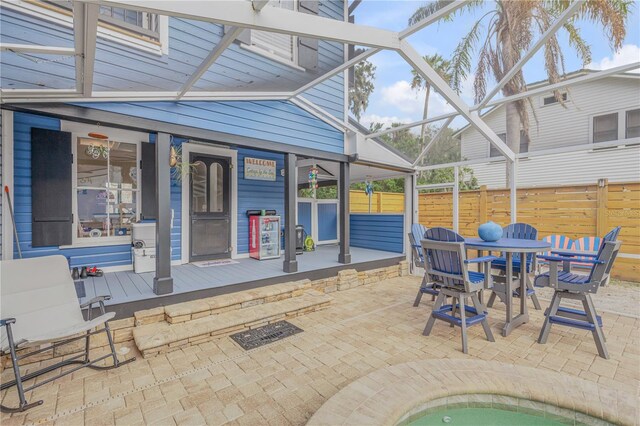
(616, 164)
(556, 126)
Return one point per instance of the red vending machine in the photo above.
(264, 237)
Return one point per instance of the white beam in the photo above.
(434, 17)
(272, 19)
(445, 185)
(564, 17)
(34, 49)
(410, 125)
(7, 180)
(346, 65)
(85, 32)
(211, 58)
(322, 114)
(64, 95)
(513, 190)
(258, 5)
(562, 84)
(456, 199)
(421, 66)
(433, 140)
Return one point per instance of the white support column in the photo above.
(456, 199)
(513, 190)
(85, 33)
(7, 180)
(409, 190)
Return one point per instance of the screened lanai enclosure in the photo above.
(223, 114)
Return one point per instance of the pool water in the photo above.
(482, 416)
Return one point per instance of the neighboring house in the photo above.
(78, 195)
(599, 121)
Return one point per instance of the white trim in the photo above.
(126, 136)
(7, 180)
(622, 128)
(30, 48)
(187, 149)
(267, 54)
(272, 19)
(106, 33)
(314, 218)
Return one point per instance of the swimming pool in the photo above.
(482, 416)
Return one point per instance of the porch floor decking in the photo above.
(127, 286)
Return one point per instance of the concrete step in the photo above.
(161, 337)
(187, 311)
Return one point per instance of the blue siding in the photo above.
(101, 256)
(176, 206)
(122, 67)
(327, 222)
(304, 216)
(275, 121)
(378, 231)
(258, 194)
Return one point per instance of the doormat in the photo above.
(208, 263)
(264, 335)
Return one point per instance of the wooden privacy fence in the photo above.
(575, 211)
(381, 202)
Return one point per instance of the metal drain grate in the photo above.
(264, 335)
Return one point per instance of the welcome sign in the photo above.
(259, 169)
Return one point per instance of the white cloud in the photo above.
(367, 119)
(627, 54)
(401, 96)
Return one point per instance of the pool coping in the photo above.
(393, 394)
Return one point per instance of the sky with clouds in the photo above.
(393, 99)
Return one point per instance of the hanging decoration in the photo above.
(313, 180)
(98, 150)
(179, 169)
(368, 189)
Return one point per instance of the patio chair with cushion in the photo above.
(446, 260)
(427, 286)
(579, 287)
(520, 231)
(41, 312)
(558, 242)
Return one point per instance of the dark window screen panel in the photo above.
(148, 185)
(632, 129)
(51, 189)
(209, 237)
(605, 127)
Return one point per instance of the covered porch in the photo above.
(132, 292)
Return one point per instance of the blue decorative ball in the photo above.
(490, 231)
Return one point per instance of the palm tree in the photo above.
(442, 67)
(506, 31)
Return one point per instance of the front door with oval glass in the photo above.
(210, 208)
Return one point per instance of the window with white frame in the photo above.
(106, 189)
(281, 46)
(632, 124)
(551, 100)
(146, 31)
(524, 145)
(605, 127)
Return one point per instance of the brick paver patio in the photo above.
(364, 329)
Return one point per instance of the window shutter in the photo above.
(308, 47)
(148, 181)
(51, 188)
(244, 37)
